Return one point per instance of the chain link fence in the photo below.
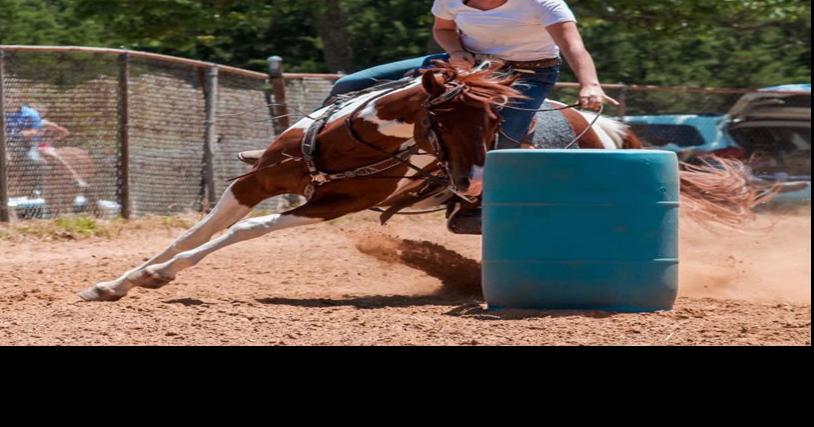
(109, 132)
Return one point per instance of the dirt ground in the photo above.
(352, 282)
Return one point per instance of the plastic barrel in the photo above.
(581, 229)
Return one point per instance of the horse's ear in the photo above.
(431, 84)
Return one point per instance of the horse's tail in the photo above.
(630, 140)
(619, 133)
(715, 191)
(720, 191)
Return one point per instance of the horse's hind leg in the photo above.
(227, 212)
(244, 230)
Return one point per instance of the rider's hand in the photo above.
(462, 60)
(591, 97)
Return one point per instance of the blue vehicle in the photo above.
(772, 130)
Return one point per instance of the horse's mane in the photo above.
(484, 88)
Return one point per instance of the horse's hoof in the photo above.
(98, 294)
(153, 280)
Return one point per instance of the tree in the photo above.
(330, 25)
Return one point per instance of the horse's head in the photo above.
(461, 120)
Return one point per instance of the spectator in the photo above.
(27, 134)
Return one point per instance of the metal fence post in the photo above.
(279, 110)
(210, 135)
(4, 213)
(124, 136)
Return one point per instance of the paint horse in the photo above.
(348, 157)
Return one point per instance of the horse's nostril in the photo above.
(463, 183)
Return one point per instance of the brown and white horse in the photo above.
(367, 135)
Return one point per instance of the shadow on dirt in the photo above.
(187, 302)
(479, 312)
(371, 302)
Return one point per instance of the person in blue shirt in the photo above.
(25, 134)
(24, 124)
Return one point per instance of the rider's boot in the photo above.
(464, 218)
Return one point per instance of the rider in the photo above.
(528, 35)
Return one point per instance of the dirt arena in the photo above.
(351, 282)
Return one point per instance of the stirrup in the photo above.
(467, 221)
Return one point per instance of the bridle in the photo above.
(432, 136)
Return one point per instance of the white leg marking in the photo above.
(227, 211)
(245, 230)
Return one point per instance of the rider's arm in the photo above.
(567, 37)
(30, 133)
(446, 35)
(59, 131)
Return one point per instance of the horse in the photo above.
(347, 157)
(417, 141)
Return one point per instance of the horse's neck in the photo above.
(395, 114)
(384, 121)
(386, 118)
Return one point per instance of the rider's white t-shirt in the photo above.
(514, 31)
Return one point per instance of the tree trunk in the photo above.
(330, 23)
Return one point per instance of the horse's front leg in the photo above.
(310, 213)
(228, 211)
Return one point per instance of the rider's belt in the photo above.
(523, 65)
(542, 63)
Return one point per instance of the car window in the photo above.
(660, 135)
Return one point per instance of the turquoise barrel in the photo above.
(581, 229)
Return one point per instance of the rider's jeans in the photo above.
(536, 85)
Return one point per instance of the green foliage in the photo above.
(747, 43)
(62, 69)
(67, 228)
(729, 43)
(46, 22)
